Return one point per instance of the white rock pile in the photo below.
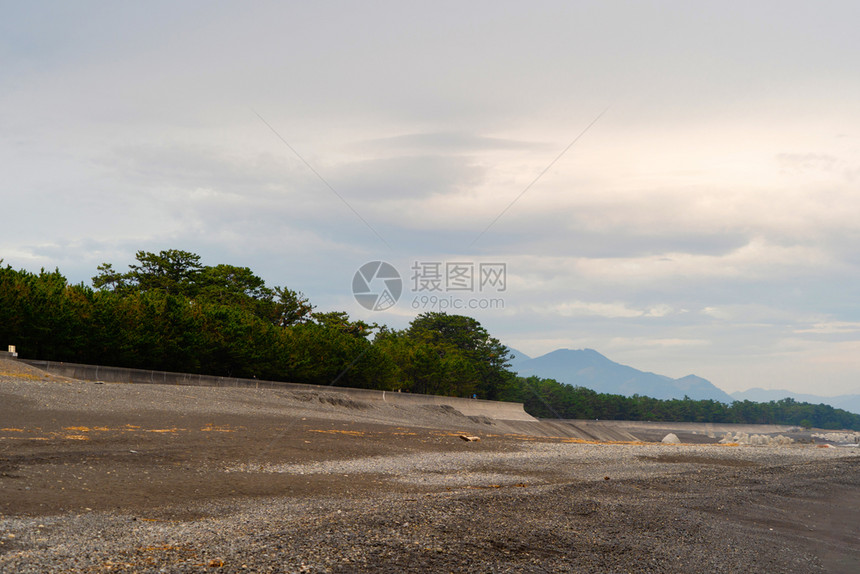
(756, 439)
(671, 438)
(839, 437)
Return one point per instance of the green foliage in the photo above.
(291, 308)
(340, 321)
(109, 279)
(41, 312)
(460, 356)
(230, 285)
(447, 355)
(322, 354)
(172, 271)
(170, 312)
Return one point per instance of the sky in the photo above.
(673, 184)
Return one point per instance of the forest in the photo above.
(170, 312)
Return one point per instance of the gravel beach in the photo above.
(155, 478)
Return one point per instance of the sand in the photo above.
(149, 478)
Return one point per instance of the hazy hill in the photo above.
(850, 403)
(588, 368)
(518, 358)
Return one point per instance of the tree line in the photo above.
(170, 312)
(546, 398)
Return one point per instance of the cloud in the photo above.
(758, 260)
(445, 143)
(832, 327)
(648, 342)
(611, 310)
(580, 308)
(801, 162)
(754, 313)
(405, 179)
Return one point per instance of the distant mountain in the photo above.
(850, 403)
(518, 358)
(588, 368)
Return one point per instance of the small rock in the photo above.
(671, 438)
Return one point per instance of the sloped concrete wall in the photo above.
(470, 407)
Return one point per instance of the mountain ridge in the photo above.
(589, 368)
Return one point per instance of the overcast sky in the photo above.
(707, 222)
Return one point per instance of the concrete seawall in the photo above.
(490, 416)
(503, 411)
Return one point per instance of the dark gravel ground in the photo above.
(115, 478)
